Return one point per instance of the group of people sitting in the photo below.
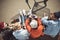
(32, 27)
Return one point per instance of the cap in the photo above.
(33, 24)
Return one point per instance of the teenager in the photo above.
(35, 28)
(20, 33)
(52, 24)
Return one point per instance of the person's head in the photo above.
(3, 25)
(33, 24)
(15, 24)
(53, 16)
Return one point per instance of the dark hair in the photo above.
(14, 21)
(57, 14)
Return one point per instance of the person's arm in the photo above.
(45, 20)
(39, 21)
(27, 24)
(40, 24)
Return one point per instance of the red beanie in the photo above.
(1, 25)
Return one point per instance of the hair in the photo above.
(14, 21)
(7, 35)
(57, 14)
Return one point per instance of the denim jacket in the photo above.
(52, 26)
(21, 34)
